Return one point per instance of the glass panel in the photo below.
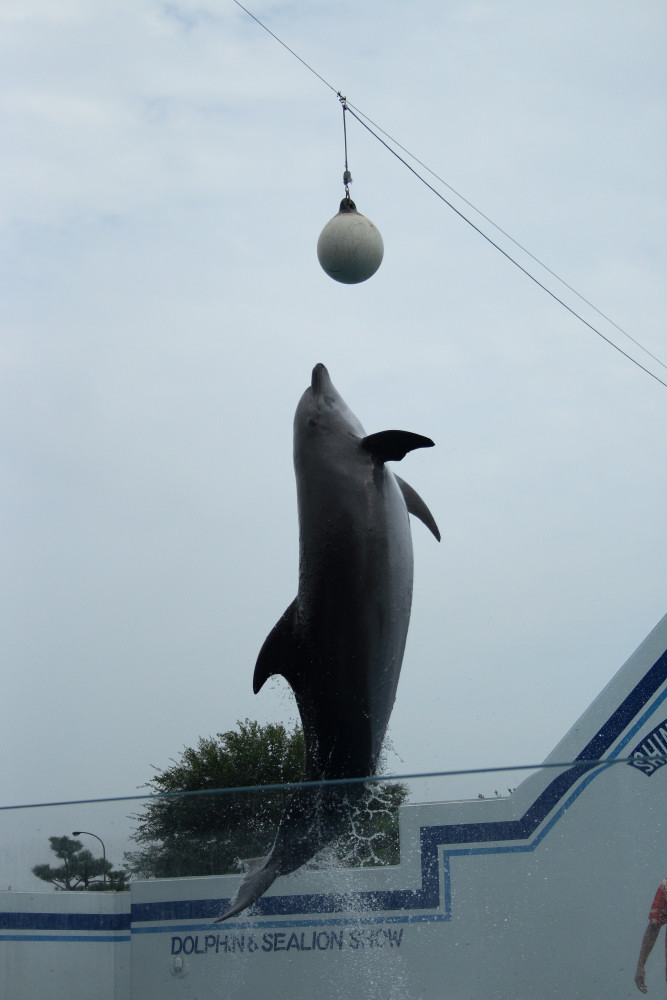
(522, 882)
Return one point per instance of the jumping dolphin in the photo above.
(340, 643)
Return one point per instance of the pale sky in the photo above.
(166, 170)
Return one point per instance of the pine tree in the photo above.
(79, 869)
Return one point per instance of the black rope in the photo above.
(347, 176)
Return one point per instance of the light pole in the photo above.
(77, 833)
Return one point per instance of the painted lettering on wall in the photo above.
(651, 753)
(272, 942)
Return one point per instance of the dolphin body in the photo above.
(340, 643)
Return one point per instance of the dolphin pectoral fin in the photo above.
(279, 653)
(417, 507)
(392, 446)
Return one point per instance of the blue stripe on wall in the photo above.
(64, 922)
(76, 938)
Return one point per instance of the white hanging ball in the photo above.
(350, 248)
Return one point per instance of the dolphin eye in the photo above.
(312, 421)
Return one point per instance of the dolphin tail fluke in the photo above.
(257, 880)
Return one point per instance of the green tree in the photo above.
(209, 829)
(79, 869)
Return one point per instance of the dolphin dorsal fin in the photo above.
(417, 507)
(392, 446)
(279, 653)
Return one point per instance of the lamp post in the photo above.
(77, 833)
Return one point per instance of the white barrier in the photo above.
(543, 894)
(65, 945)
(540, 895)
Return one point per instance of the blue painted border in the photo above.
(76, 938)
(434, 894)
(65, 922)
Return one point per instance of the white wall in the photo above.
(64, 945)
(541, 895)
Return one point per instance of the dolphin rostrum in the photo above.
(340, 643)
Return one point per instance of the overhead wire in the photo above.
(507, 235)
(509, 256)
(366, 122)
(285, 46)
